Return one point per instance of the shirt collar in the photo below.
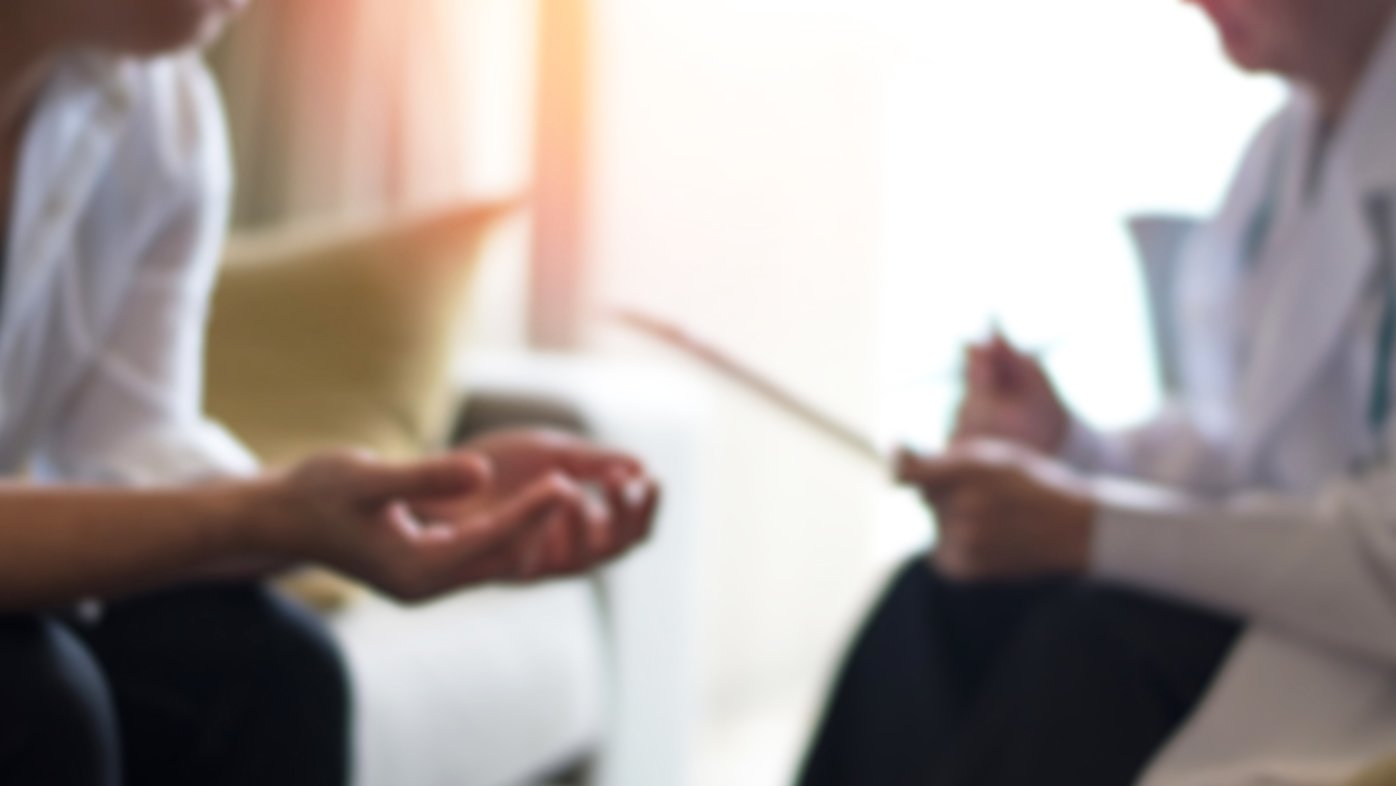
(110, 75)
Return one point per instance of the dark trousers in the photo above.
(216, 686)
(1044, 684)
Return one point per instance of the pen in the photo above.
(754, 382)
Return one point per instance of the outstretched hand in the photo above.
(617, 501)
(362, 516)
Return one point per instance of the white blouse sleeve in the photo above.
(137, 417)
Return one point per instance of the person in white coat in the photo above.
(1208, 599)
(120, 497)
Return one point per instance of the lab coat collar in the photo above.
(74, 133)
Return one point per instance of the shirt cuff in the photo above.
(1159, 541)
(180, 454)
(1140, 534)
(1083, 447)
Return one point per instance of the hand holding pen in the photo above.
(1009, 396)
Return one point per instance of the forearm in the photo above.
(1169, 450)
(61, 545)
(1320, 569)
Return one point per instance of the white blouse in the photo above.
(119, 218)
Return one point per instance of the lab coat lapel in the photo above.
(1330, 257)
(85, 92)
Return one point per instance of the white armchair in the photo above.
(586, 682)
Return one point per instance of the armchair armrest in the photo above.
(492, 409)
(660, 415)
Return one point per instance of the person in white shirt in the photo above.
(1208, 599)
(114, 190)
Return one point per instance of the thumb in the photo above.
(936, 474)
(442, 476)
(1005, 361)
(979, 369)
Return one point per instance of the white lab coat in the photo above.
(113, 244)
(1280, 502)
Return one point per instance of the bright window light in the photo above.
(1020, 137)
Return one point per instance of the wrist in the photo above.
(256, 516)
(1081, 517)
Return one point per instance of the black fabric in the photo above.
(220, 687)
(1026, 685)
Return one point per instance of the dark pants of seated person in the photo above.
(225, 686)
(1041, 684)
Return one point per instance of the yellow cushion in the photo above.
(327, 339)
(1382, 775)
(321, 339)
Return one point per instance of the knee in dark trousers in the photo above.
(1093, 685)
(1055, 681)
(913, 673)
(248, 685)
(57, 723)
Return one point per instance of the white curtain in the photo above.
(353, 109)
(364, 106)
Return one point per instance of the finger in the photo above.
(565, 552)
(933, 478)
(509, 544)
(623, 503)
(979, 369)
(1003, 361)
(555, 544)
(999, 344)
(583, 557)
(443, 476)
(599, 522)
(590, 462)
(937, 474)
(626, 498)
(970, 421)
(905, 461)
(613, 528)
(651, 497)
(989, 452)
(510, 521)
(402, 521)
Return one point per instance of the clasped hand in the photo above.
(1005, 510)
(1005, 513)
(516, 506)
